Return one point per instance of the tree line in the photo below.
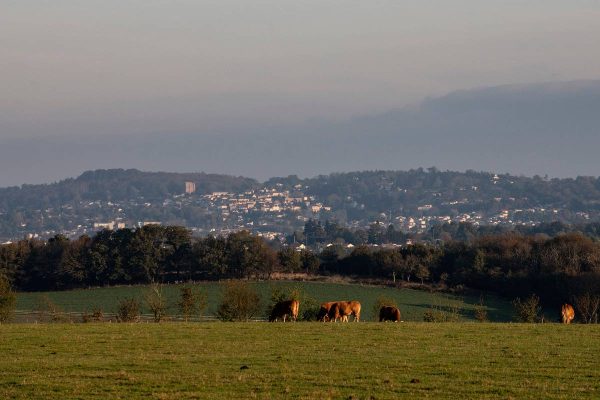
(331, 231)
(511, 264)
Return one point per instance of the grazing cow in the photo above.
(339, 311)
(355, 308)
(567, 313)
(389, 313)
(323, 314)
(284, 309)
(343, 309)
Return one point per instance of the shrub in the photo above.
(437, 314)
(97, 315)
(527, 310)
(309, 309)
(277, 295)
(443, 313)
(480, 312)
(8, 300)
(48, 310)
(587, 306)
(191, 302)
(128, 310)
(430, 316)
(156, 302)
(240, 302)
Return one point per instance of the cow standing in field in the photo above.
(355, 308)
(389, 313)
(323, 314)
(567, 313)
(283, 309)
(340, 310)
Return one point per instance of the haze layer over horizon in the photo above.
(267, 88)
(122, 67)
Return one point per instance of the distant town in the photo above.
(280, 207)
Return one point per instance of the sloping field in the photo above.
(299, 361)
(413, 303)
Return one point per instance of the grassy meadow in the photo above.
(412, 303)
(257, 360)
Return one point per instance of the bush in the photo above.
(156, 302)
(240, 302)
(437, 314)
(277, 295)
(587, 306)
(309, 309)
(8, 300)
(48, 310)
(443, 313)
(128, 310)
(527, 310)
(191, 302)
(480, 312)
(430, 316)
(97, 315)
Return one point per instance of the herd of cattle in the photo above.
(331, 311)
(342, 310)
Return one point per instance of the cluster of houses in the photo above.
(271, 212)
(262, 200)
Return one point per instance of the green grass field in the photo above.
(299, 361)
(413, 303)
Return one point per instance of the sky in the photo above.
(92, 68)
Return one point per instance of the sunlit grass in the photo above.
(299, 360)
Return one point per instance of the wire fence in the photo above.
(34, 317)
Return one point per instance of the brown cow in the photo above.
(567, 313)
(389, 313)
(284, 309)
(355, 308)
(323, 314)
(341, 310)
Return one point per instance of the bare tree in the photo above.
(587, 306)
(157, 302)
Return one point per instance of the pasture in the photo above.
(258, 360)
(413, 303)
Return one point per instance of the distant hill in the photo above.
(117, 185)
(413, 200)
(375, 191)
(364, 194)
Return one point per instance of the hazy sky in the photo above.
(147, 66)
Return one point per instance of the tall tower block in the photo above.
(190, 187)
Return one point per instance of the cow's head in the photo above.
(323, 315)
